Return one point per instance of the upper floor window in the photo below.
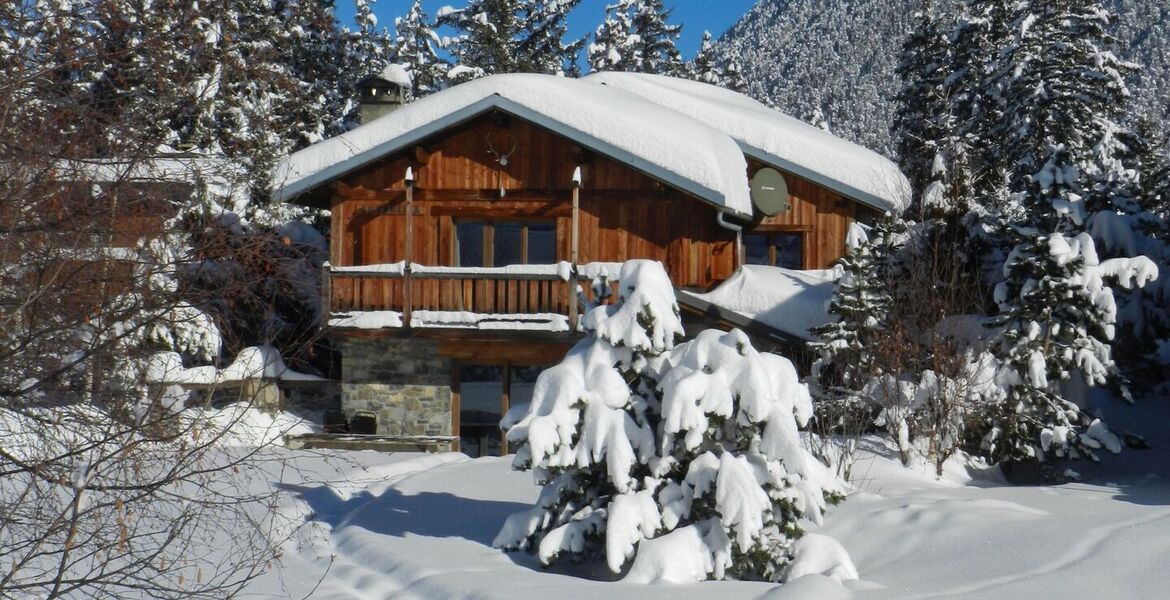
(481, 243)
(775, 249)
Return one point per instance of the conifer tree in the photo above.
(612, 46)
(511, 36)
(414, 49)
(1058, 88)
(655, 45)
(861, 302)
(924, 127)
(666, 454)
(704, 67)
(733, 78)
(542, 45)
(635, 37)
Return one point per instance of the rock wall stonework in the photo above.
(404, 382)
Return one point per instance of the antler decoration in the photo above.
(501, 159)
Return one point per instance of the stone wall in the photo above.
(404, 382)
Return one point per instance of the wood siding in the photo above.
(822, 216)
(624, 213)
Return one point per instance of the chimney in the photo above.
(382, 94)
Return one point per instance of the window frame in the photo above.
(804, 233)
(489, 238)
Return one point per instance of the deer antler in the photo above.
(501, 158)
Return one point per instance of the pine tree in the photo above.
(641, 443)
(704, 67)
(612, 46)
(370, 49)
(511, 36)
(635, 37)
(924, 128)
(414, 49)
(542, 44)
(861, 302)
(733, 78)
(1058, 89)
(656, 39)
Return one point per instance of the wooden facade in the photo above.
(501, 168)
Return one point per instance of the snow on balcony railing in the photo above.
(383, 319)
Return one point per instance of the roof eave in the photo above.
(850, 192)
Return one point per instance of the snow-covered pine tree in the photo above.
(733, 78)
(655, 42)
(612, 48)
(1058, 88)
(923, 127)
(542, 45)
(635, 37)
(324, 63)
(370, 49)
(861, 304)
(685, 458)
(414, 48)
(704, 67)
(510, 36)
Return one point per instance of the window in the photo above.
(500, 243)
(775, 249)
(486, 393)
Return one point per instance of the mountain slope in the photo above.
(832, 61)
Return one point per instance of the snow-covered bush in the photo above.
(684, 458)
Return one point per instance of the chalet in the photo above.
(471, 228)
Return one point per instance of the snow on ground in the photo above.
(420, 526)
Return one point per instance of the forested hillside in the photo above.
(832, 61)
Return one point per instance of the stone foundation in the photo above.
(404, 382)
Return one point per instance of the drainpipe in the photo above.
(720, 218)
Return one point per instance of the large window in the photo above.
(482, 243)
(782, 249)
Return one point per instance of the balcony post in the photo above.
(574, 237)
(407, 294)
(326, 294)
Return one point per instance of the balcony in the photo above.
(545, 298)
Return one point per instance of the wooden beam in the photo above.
(574, 246)
(505, 403)
(406, 294)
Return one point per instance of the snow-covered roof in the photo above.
(775, 138)
(667, 145)
(222, 177)
(784, 299)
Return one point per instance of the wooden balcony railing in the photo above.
(515, 291)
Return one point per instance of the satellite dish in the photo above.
(770, 192)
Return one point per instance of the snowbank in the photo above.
(776, 138)
(254, 362)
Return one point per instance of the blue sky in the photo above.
(695, 16)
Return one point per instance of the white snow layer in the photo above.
(396, 74)
(254, 362)
(677, 149)
(776, 138)
(787, 300)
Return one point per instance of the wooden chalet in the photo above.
(470, 228)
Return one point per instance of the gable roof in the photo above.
(667, 145)
(775, 138)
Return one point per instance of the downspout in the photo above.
(738, 229)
